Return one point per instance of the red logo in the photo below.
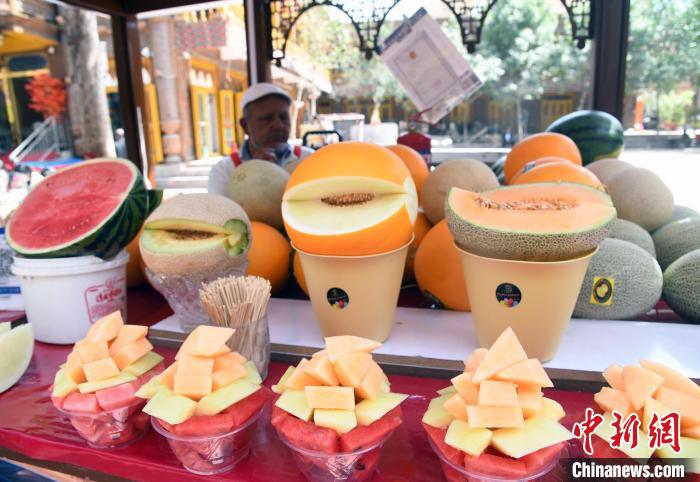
(584, 430)
(627, 431)
(665, 431)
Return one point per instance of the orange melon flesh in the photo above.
(474, 360)
(130, 353)
(205, 340)
(504, 352)
(530, 400)
(692, 432)
(552, 409)
(226, 375)
(231, 358)
(192, 386)
(673, 379)
(195, 365)
(610, 399)
(497, 394)
(494, 417)
(526, 372)
(651, 407)
(339, 398)
(90, 352)
(100, 370)
(351, 369)
(456, 406)
(640, 383)
(687, 406)
(106, 328)
(337, 346)
(466, 388)
(223, 350)
(566, 191)
(167, 377)
(321, 368)
(74, 368)
(370, 384)
(127, 334)
(299, 378)
(613, 375)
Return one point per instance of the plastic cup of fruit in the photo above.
(356, 466)
(457, 473)
(211, 454)
(111, 428)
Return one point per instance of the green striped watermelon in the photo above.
(597, 134)
(92, 208)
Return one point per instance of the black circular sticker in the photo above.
(602, 291)
(508, 295)
(338, 298)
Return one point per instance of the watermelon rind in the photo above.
(108, 238)
(597, 134)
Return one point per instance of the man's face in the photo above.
(267, 121)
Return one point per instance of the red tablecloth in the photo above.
(30, 425)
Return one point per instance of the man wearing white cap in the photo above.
(266, 123)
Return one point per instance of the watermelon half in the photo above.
(92, 208)
(597, 134)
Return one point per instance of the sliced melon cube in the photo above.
(144, 364)
(279, 387)
(92, 351)
(226, 375)
(294, 403)
(230, 358)
(223, 398)
(106, 328)
(436, 415)
(223, 350)
(251, 373)
(504, 352)
(610, 400)
(321, 368)
(167, 378)
(342, 421)
(690, 452)
(192, 386)
(320, 353)
(467, 389)
(472, 362)
(205, 340)
(456, 406)
(300, 379)
(368, 411)
(132, 352)
(351, 368)
(613, 375)
(89, 387)
(127, 335)
(535, 434)
(337, 346)
(530, 400)
(552, 409)
(339, 398)
(652, 407)
(449, 390)
(692, 432)
(470, 440)
(688, 407)
(170, 407)
(74, 368)
(642, 452)
(640, 383)
(497, 394)
(369, 387)
(149, 389)
(195, 365)
(673, 379)
(480, 416)
(100, 369)
(62, 384)
(526, 372)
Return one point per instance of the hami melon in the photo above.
(640, 196)
(604, 169)
(682, 285)
(676, 239)
(258, 187)
(635, 234)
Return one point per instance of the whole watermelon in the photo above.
(92, 208)
(597, 134)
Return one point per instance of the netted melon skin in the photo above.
(676, 239)
(681, 286)
(635, 234)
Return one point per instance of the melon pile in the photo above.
(337, 401)
(647, 389)
(493, 419)
(97, 384)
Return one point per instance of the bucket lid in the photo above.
(65, 266)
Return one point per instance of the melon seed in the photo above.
(348, 199)
(526, 205)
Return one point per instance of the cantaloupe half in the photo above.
(538, 222)
(350, 199)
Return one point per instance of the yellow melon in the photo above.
(268, 256)
(420, 229)
(415, 164)
(438, 269)
(350, 199)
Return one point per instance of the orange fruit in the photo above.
(268, 256)
(559, 172)
(415, 164)
(544, 144)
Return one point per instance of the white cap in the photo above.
(260, 90)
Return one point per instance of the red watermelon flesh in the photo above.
(307, 435)
(368, 435)
(437, 435)
(81, 403)
(58, 402)
(119, 396)
(242, 410)
(278, 416)
(495, 466)
(204, 425)
(537, 461)
(92, 208)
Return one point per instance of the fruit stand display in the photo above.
(557, 229)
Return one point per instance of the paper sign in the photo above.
(435, 75)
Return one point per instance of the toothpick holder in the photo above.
(253, 342)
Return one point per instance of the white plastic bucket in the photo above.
(63, 297)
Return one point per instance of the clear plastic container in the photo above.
(111, 428)
(211, 454)
(357, 466)
(456, 473)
